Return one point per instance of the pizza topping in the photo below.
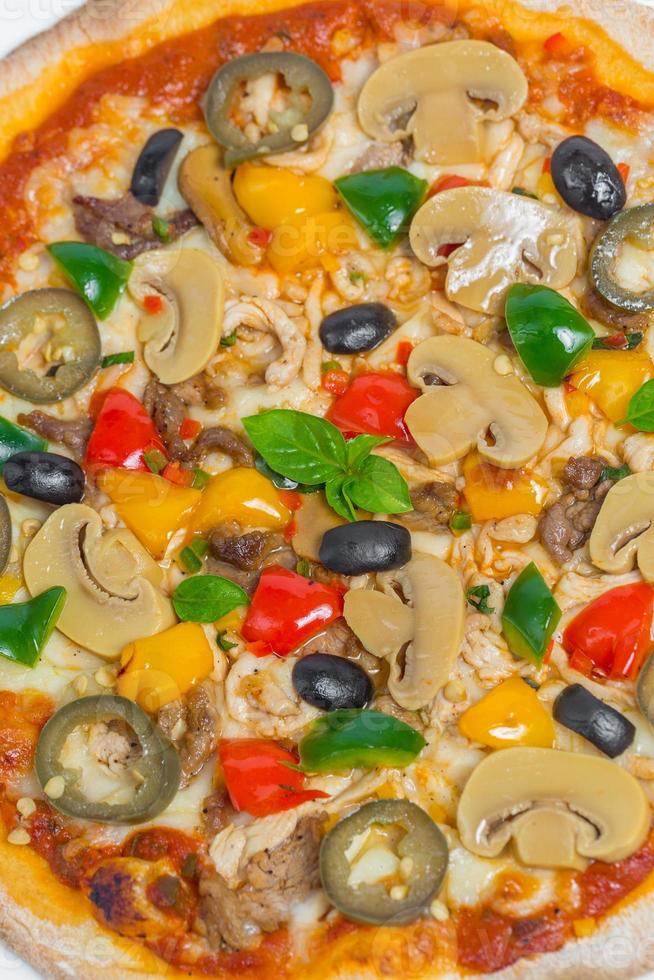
(466, 402)
(243, 495)
(622, 535)
(5, 534)
(465, 82)
(261, 777)
(383, 201)
(14, 439)
(329, 682)
(207, 598)
(365, 546)
(351, 738)
(153, 166)
(153, 673)
(611, 636)
(421, 639)
(530, 616)
(49, 345)
(560, 808)
(299, 94)
(183, 335)
(509, 714)
(125, 227)
(122, 435)
(607, 729)
(374, 403)
(587, 179)
(567, 524)
(48, 477)
(384, 863)
(100, 277)
(505, 238)
(191, 723)
(111, 582)
(25, 627)
(116, 766)
(357, 329)
(547, 331)
(630, 229)
(72, 433)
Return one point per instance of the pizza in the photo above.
(327, 454)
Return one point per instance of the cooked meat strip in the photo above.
(340, 641)
(567, 524)
(217, 812)
(109, 223)
(72, 433)
(594, 305)
(274, 881)
(191, 723)
(240, 556)
(379, 156)
(200, 390)
(433, 506)
(225, 441)
(167, 412)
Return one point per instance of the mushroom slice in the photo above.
(206, 186)
(505, 238)
(467, 403)
(112, 583)
(431, 623)
(623, 534)
(181, 338)
(463, 82)
(311, 522)
(560, 808)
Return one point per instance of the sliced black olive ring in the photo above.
(635, 225)
(73, 330)
(304, 78)
(422, 843)
(156, 771)
(153, 166)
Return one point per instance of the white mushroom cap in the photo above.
(623, 533)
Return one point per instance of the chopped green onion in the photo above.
(356, 277)
(161, 228)
(303, 567)
(155, 460)
(126, 357)
(223, 643)
(191, 556)
(461, 521)
(615, 472)
(328, 366)
(478, 596)
(229, 340)
(200, 479)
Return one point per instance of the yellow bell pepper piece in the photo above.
(150, 506)
(610, 378)
(303, 212)
(510, 714)
(493, 493)
(161, 668)
(576, 402)
(232, 620)
(243, 495)
(9, 586)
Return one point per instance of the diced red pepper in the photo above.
(123, 433)
(336, 382)
(189, 428)
(290, 531)
(557, 45)
(290, 499)
(258, 778)
(376, 404)
(611, 637)
(260, 236)
(175, 473)
(547, 165)
(448, 183)
(287, 609)
(403, 352)
(624, 170)
(153, 303)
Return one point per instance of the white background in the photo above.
(19, 20)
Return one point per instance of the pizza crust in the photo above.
(43, 921)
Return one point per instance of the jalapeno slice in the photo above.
(153, 763)
(394, 829)
(636, 226)
(71, 334)
(310, 102)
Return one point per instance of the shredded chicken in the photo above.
(264, 316)
(260, 695)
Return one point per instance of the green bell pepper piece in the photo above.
(549, 334)
(98, 275)
(25, 627)
(14, 439)
(382, 201)
(357, 738)
(531, 614)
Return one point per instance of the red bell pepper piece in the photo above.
(123, 433)
(190, 428)
(374, 403)
(336, 382)
(257, 779)
(287, 609)
(611, 637)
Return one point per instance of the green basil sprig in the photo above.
(312, 451)
(640, 412)
(478, 596)
(206, 598)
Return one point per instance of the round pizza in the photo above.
(327, 510)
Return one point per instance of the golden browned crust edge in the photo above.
(623, 946)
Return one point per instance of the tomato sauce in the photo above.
(22, 716)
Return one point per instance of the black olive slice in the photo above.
(329, 682)
(607, 729)
(365, 546)
(49, 477)
(587, 178)
(420, 840)
(153, 166)
(156, 765)
(356, 329)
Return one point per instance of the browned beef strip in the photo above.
(200, 390)
(389, 706)
(379, 156)
(72, 433)
(340, 641)
(106, 223)
(273, 882)
(167, 412)
(241, 557)
(197, 714)
(583, 472)
(433, 506)
(217, 812)
(220, 438)
(567, 524)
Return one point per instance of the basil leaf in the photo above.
(125, 357)
(205, 598)
(360, 448)
(379, 487)
(641, 408)
(478, 596)
(338, 498)
(304, 447)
